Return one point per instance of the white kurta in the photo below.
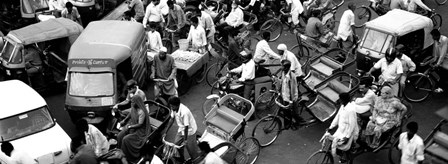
(346, 121)
(296, 10)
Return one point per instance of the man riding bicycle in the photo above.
(164, 68)
(290, 92)
(132, 89)
(391, 70)
(247, 70)
(322, 5)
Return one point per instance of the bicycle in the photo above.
(419, 86)
(268, 128)
(276, 23)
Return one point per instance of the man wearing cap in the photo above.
(408, 67)
(164, 67)
(296, 67)
(247, 70)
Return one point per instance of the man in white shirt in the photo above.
(411, 5)
(365, 101)
(391, 70)
(411, 145)
(296, 67)
(187, 127)
(153, 15)
(14, 156)
(440, 57)
(154, 39)
(247, 70)
(132, 87)
(206, 21)
(346, 27)
(262, 49)
(295, 9)
(70, 12)
(93, 137)
(210, 157)
(408, 66)
(234, 20)
(197, 36)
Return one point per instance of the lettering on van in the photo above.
(91, 63)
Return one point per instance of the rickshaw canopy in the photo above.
(107, 39)
(47, 30)
(399, 22)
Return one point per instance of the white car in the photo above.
(26, 122)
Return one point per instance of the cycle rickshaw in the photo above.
(225, 132)
(436, 143)
(323, 106)
(389, 140)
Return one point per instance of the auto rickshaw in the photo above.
(396, 27)
(103, 58)
(37, 54)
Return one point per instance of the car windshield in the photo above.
(10, 50)
(83, 0)
(25, 124)
(376, 41)
(91, 84)
(30, 6)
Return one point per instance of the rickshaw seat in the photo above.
(225, 119)
(439, 147)
(322, 109)
(326, 65)
(333, 89)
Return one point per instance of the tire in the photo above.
(208, 105)
(417, 88)
(200, 75)
(214, 89)
(266, 130)
(265, 104)
(303, 57)
(394, 153)
(214, 73)
(362, 15)
(274, 27)
(320, 157)
(168, 44)
(184, 82)
(440, 2)
(251, 147)
(437, 21)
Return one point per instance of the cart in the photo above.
(193, 67)
(224, 133)
(436, 143)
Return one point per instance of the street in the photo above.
(292, 147)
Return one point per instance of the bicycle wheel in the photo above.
(251, 147)
(214, 72)
(265, 104)
(302, 53)
(168, 44)
(266, 130)
(320, 157)
(362, 15)
(208, 105)
(394, 152)
(417, 88)
(437, 21)
(200, 74)
(274, 27)
(440, 2)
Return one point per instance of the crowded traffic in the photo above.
(223, 81)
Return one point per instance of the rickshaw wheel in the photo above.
(251, 147)
(184, 82)
(322, 157)
(394, 153)
(208, 105)
(362, 15)
(272, 26)
(302, 53)
(417, 88)
(265, 104)
(200, 75)
(266, 130)
(437, 21)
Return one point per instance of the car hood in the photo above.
(48, 146)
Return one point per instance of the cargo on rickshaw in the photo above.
(101, 61)
(37, 54)
(394, 28)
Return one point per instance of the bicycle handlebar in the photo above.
(161, 80)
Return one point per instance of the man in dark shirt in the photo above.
(83, 154)
(314, 28)
(233, 53)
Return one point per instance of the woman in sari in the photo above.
(136, 130)
(387, 113)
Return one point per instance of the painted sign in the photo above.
(91, 63)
